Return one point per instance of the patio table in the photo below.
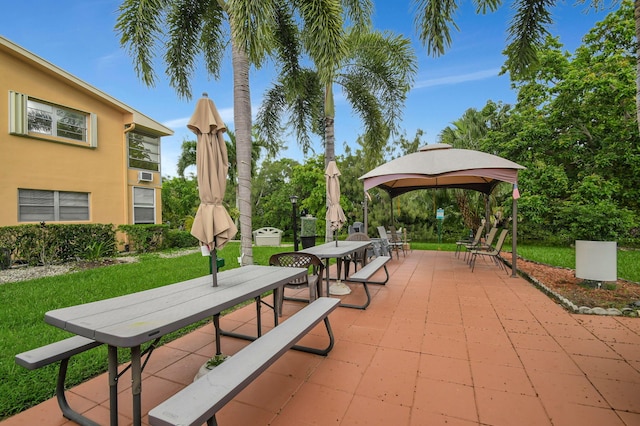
(129, 321)
(335, 249)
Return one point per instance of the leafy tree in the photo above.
(180, 200)
(573, 125)
(188, 156)
(272, 190)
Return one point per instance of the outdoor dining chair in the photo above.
(360, 257)
(492, 253)
(464, 242)
(386, 242)
(313, 280)
(483, 245)
(396, 240)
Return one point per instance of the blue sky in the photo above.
(78, 36)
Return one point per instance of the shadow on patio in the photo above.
(438, 345)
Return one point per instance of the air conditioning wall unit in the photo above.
(145, 177)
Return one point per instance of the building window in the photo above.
(37, 118)
(144, 151)
(36, 205)
(56, 121)
(144, 205)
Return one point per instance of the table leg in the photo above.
(113, 384)
(216, 325)
(136, 385)
(326, 269)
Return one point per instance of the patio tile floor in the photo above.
(439, 344)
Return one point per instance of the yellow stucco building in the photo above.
(70, 153)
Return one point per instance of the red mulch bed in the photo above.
(564, 282)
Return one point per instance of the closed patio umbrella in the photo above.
(212, 226)
(335, 215)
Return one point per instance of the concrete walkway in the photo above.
(438, 345)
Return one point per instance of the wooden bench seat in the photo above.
(201, 400)
(61, 351)
(364, 275)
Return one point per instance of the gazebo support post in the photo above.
(514, 239)
(487, 213)
(366, 214)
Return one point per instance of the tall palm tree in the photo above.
(195, 27)
(375, 73)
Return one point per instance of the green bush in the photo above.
(145, 238)
(39, 244)
(180, 239)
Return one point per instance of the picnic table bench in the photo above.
(61, 351)
(201, 400)
(364, 275)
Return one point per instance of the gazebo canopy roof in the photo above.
(441, 166)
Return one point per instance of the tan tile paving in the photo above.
(438, 345)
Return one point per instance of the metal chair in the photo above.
(386, 241)
(493, 253)
(483, 245)
(470, 241)
(313, 280)
(396, 241)
(359, 257)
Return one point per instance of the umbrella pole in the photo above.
(214, 267)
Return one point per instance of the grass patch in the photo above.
(628, 260)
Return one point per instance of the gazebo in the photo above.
(442, 166)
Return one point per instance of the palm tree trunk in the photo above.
(242, 121)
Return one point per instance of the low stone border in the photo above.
(568, 304)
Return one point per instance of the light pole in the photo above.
(294, 204)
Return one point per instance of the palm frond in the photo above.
(323, 35)
(213, 38)
(434, 20)
(184, 22)
(139, 26)
(527, 32)
(358, 13)
(252, 24)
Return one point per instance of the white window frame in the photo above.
(22, 109)
(147, 154)
(139, 204)
(55, 203)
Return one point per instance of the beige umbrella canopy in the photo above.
(335, 215)
(212, 225)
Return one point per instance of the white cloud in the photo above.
(455, 79)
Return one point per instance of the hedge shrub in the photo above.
(41, 244)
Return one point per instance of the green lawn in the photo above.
(25, 304)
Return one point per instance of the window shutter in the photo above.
(93, 130)
(18, 113)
